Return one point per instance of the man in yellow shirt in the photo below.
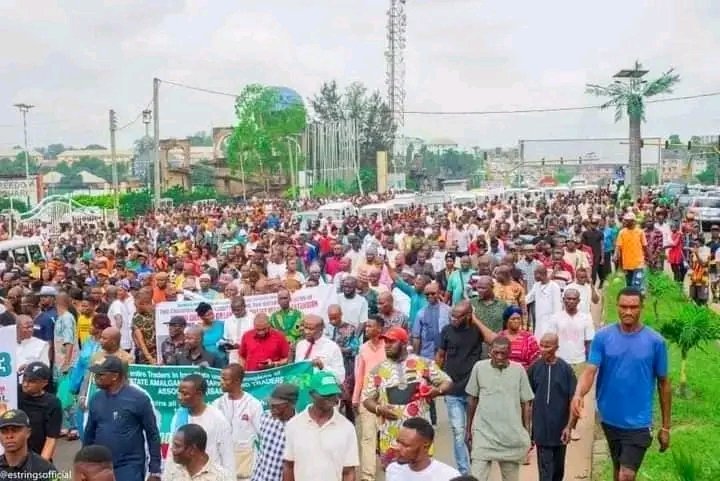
(630, 249)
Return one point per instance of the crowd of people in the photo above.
(487, 306)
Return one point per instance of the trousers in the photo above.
(510, 470)
(551, 462)
(368, 432)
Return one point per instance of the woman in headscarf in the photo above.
(524, 348)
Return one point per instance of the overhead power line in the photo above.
(137, 117)
(530, 110)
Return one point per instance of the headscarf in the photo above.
(510, 311)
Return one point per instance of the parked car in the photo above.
(706, 210)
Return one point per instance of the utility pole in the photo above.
(24, 109)
(113, 156)
(156, 140)
(146, 117)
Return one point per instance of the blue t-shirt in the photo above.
(628, 366)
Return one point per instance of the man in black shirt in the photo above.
(18, 461)
(593, 238)
(460, 348)
(42, 408)
(193, 353)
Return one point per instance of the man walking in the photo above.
(459, 349)
(553, 382)
(498, 419)
(628, 359)
(630, 251)
(271, 441)
(121, 418)
(321, 444)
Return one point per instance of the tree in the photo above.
(201, 174)
(16, 167)
(95, 147)
(259, 142)
(674, 140)
(649, 177)
(53, 150)
(693, 327)
(372, 113)
(200, 139)
(629, 98)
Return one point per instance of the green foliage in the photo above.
(628, 98)
(201, 174)
(93, 165)
(649, 177)
(259, 139)
(16, 166)
(17, 205)
(371, 112)
(95, 147)
(200, 139)
(674, 140)
(451, 163)
(687, 466)
(693, 327)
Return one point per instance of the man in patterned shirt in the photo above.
(269, 462)
(286, 319)
(143, 328)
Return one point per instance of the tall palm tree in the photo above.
(629, 98)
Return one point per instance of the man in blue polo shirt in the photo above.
(628, 360)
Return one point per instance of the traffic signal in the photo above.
(667, 145)
(562, 162)
(542, 161)
(689, 144)
(642, 143)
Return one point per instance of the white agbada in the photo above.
(548, 301)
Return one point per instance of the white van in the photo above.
(338, 210)
(463, 198)
(31, 248)
(382, 209)
(434, 200)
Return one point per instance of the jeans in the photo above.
(130, 472)
(457, 415)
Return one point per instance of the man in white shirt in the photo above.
(575, 331)
(324, 353)
(119, 316)
(414, 460)
(353, 305)
(30, 348)
(588, 294)
(547, 297)
(236, 325)
(321, 444)
(243, 411)
(191, 396)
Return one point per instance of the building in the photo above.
(72, 156)
(13, 153)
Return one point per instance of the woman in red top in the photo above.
(676, 257)
(524, 348)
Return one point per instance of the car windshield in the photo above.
(712, 202)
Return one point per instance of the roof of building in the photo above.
(92, 153)
(89, 178)
(53, 177)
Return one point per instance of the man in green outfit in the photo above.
(287, 320)
(498, 414)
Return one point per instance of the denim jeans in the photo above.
(457, 413)
(130, 472)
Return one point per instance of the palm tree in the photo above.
(693, 327)
(629, 98)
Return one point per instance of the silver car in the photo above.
(706, 210)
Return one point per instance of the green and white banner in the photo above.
(161, 383)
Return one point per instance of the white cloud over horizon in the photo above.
(76, 59)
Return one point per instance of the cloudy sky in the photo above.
(75, 59)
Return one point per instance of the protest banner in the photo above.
(161, 383)
(8, 370)
(309, 300)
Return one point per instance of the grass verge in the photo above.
(695, 421)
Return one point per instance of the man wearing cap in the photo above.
(321, 444)
(271, 434)
(121, 417)
(18, 461)
(175, 340)
(630, 250)
(205, 282)
(45, 322)
(400, 387)
(43, 409)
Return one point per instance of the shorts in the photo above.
(627, 446)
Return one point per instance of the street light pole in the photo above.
(24, 109)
